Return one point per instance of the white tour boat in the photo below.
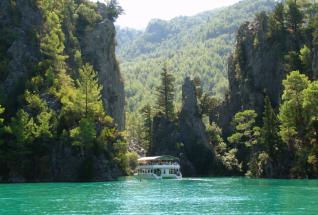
(159, 167)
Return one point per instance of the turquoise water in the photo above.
(187, 196)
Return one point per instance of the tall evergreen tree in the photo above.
(294, 122)
(292, 115)
(166, 94)
(89, 93)
(269, 132)
(245, 135)
(294, 17)
(147, 124)
(277, 29)
(52, 40)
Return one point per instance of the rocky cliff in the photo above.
(185, 138)
(255, 70)
(193, 132)
(99, 44)
(88, 33)
(20, 50)
(19, 23)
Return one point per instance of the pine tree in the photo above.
(245, 136)
(294, 122)
(269, 138)
(292, 115)
(166, 94)
(277, 27)
(114, 10)
(294, 17)
(84, 135)
(89, 97)
(52, 40)
(147, 124)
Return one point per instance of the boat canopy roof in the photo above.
(158, 158)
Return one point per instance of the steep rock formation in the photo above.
(99, 47)
(20, 21)
(193, 132)
(22, 48)
(255, 69)
(165, 137)
(185, 138)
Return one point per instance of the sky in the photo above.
(139, 12)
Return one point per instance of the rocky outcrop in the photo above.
(63, 163)
(255, 70)
(193, 132)
(186, 138)
(165, 137)
(23, 49)
(21, 22)
(100, 48)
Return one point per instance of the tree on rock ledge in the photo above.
(166, 94)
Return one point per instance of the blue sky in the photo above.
(139, 12)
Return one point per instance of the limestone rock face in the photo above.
(186, 137)
(165, 137)
(192, 131)
(20, 21)
(255, 70)
(23, 52)
(99, 47)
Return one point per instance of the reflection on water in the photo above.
(187, 196)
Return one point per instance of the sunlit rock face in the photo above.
(255, 70)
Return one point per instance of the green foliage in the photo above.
(269, 138)
(21, 127)
(298, 118)
(133, 161)
(292, 114)
(258, 164)
(245, 137)
(195, 46)
(89, 100)
(166, 95)
(306, 59)
(59, 105)
(87, 17)
(224, 154)
(246, 133)
(85, 134)
(146, 113)
(277, 28)
(294, 16)
(114, 10)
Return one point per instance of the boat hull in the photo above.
(154, 176)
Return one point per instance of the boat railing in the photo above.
(159, 163)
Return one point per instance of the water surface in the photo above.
(187, 196)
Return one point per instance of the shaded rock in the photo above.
(99, 49)
(165, 137)
(192, 132)
(255, 70)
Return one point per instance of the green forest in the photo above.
(275, 140)
(195, 46)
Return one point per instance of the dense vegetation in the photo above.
(58, 102)
(189, 46)
(282, 142)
